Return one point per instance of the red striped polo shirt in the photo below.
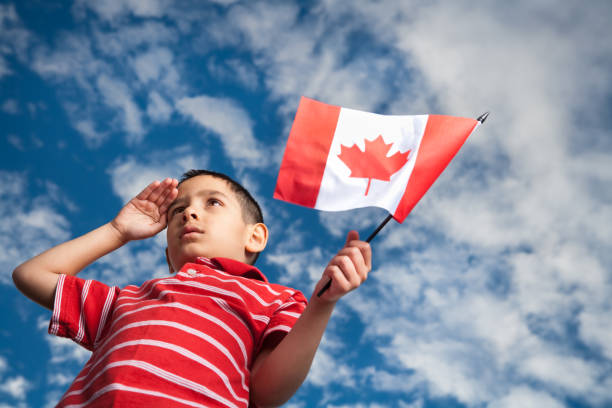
(187, 340)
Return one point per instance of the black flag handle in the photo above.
(372, 235)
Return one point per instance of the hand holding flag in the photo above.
(347, 270)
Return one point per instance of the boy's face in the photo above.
(206, 220)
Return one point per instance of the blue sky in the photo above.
(495, 292)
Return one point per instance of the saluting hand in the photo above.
(348, 269)
(145, 215)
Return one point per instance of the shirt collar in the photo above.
(233, 267)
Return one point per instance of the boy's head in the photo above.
(213, 216)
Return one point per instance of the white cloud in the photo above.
(381, 380)
(95, 69)
(307, 55)
(526, 397)
(131, 38)
(230, 122)
(300, 269)
(87, 128)
(72, 59)
(156, 65)
(61, 379)
(569, 373)
(117, 95)
(596, 328)
(37, 219)
(16, 387)
(158, 109)
(111, 10)
(329, 370)
(14, 38)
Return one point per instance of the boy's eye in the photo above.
(214, 202)
(177, 210)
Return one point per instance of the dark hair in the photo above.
(251, 212)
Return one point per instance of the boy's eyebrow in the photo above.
(199, 193)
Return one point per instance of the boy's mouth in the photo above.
(190, 230)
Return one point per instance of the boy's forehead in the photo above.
(205, 183)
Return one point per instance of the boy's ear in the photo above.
(257, 239)
(168, 262)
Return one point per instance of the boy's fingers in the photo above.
(158, 191)
(168, 199)
(366, 251)
(356, 257)
(144, 194)
(351, 236)
(168, 189)
(350, 268)
(352, 239)
(338, 278)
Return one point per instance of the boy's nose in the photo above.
(189, 214)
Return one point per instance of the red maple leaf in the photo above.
(373, 163)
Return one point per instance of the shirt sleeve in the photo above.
(283, 320)
(81, 309)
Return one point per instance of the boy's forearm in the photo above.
(285, 368)
(37, 277)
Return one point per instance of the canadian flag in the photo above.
(338, 158)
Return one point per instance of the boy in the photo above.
(216, 333)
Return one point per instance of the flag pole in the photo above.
(480, 119)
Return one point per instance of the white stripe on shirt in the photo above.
(159, 372)
(105, 312)
(185, 353)
(195, 311)
(81, 332)
(178, 326)
(57, 304)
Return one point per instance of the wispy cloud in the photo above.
(117, 95)
(14, 38)
(37, 218)
(111, 10)
(230, 122)
(15, 386)
(93, 68)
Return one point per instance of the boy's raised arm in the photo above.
(142, 217)
(277, 374)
